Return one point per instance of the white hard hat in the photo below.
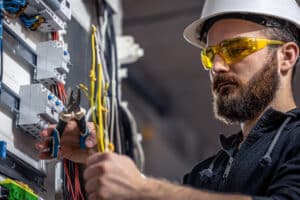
(288, 10)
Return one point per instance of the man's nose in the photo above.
(219, 65)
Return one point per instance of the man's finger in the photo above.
(48, 131)
(91, 184)
(41, 145)
(72, 127)
(93, 196)
(90, 141)
(95, 171)
(45, 156)
(98, 157)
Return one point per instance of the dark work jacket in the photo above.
(266, 166)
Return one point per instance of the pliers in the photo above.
(72, 110)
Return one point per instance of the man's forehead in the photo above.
(230, 28)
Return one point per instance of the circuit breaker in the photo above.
(61, 7)
(38, 108)
(51, 20)
(52, 62)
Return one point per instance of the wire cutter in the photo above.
(72, 110)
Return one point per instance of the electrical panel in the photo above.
(32, 92)
(38, 108)
(34, 65)
(52, 62)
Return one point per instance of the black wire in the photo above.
(112, 37)
(109, 37)
(127, 146)
(65, 190)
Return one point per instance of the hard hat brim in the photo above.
(191, 33)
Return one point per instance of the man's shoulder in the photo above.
(292, 134)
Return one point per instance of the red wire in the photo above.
(69, 184)
(77, 183)
(55, 35)
(63, 91)
(60, 92)
(76, 191)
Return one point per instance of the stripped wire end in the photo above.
(94, 29)
(84, 89)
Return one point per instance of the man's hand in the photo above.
(110, 176)
(69, 143)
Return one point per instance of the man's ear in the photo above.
(288, 55)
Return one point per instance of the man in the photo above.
(251, 49)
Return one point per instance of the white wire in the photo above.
(114, 109)
(137, 138)
(100, 53)
(102, 47)
(118, 135)
(100, 61)
(88, 116)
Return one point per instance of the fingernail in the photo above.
(89, 143)
(59, 154)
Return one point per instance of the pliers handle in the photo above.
(84, 130)
(72, 108)
(57, 132)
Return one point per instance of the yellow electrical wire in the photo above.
(105, 120)
(84, 89)
(100, 144)
(99, 106)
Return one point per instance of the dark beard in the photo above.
(236, 102)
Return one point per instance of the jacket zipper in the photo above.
(226, 172)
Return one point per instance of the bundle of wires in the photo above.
(115, 131)
(71, 181)
(17, 7)
(14, 6)
(108, 55)
(97, 98)
(28, 22)
(103, 101)
(122, 128)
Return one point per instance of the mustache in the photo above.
(223, 79)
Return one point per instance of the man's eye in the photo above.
(237, 51)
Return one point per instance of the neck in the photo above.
(283, 102)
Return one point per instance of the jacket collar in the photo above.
(269, 121)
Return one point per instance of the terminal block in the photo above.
(52, 62)
(15, 190)
(38, 108)
(40, 8)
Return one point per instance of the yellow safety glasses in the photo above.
(234, 50)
